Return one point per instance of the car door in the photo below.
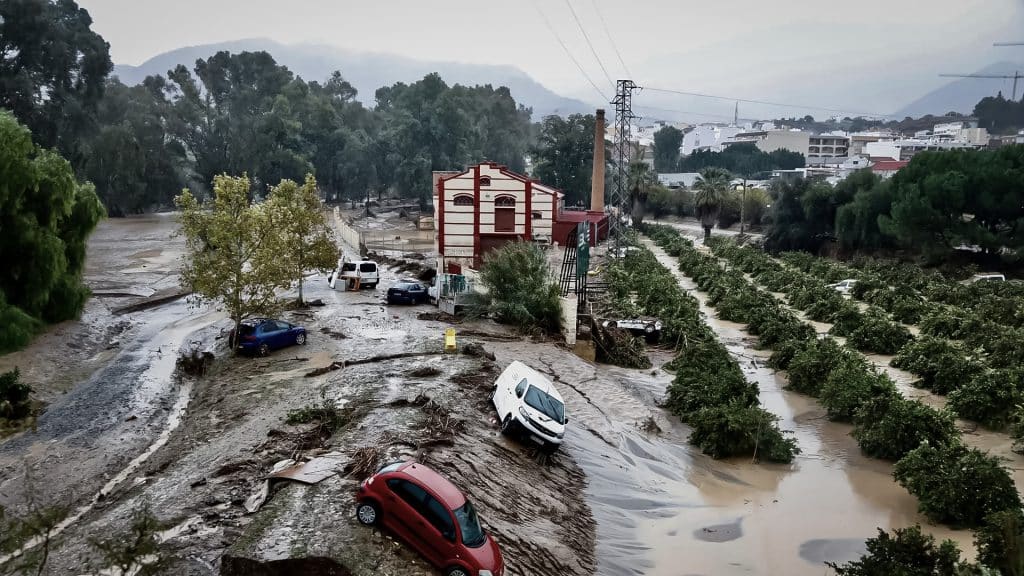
(277, 333)
(407, 516)
(441, 531)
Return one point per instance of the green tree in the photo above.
(136, 552)
(233, 253)
(297, 213)
(667, 141)
(908, 552)
(944, 199)
(520, 290)
(710, 195)
(743, 159)
(45, 216)
(639, 182)
(564, 156)
(52, 70)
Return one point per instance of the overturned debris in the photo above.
(339, 364)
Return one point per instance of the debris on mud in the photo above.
(195, 361)
(332, 333)
(338, 365)
(439, 317)
(424, 372)
(649, 426)
(364, 462)
(618, 347)
(477, 350)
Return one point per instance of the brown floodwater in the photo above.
(664, 509)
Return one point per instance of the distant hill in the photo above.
(962, 94)
(366, 71)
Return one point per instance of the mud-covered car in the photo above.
(647, 328)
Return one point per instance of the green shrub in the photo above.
(1000, 542)
(944, 323)
(784, 353)
(825, 309)
(879, 335)
(705, 375)
(889, 427)
(909, 553)
(1005, 346)
(18, 328)
(850, 384)
(990, 398)
(941, 366)
(736, 429)
(955, 484)
(845, 320)
(811, 366)
(907, 310)
(774, 325)
(520, 290)
(14, 396)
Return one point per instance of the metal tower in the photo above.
(619, 208)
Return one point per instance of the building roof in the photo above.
(687, 179)
(537, 186)
(581, 216)
(888, 165)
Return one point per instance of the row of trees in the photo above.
(241, 253)
(236, 113)
(940, 202)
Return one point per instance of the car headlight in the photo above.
(523, 412)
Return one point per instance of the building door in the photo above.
(504, 214)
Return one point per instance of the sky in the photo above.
(868, 55)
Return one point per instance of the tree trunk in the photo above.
(300, 289)
(234, 336)
(707, 233)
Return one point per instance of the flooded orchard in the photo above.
(625, 495)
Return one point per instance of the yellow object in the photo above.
(449, 339)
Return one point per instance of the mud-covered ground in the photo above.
(626, 495)
(134, 433)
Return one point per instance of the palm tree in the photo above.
(638, 180)
(710, 195)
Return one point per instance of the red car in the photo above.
(431, 515)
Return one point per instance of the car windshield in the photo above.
(348, 267)
(539, 400)
(390, 467)
(404, 286)
(469, 525)
(246, 329)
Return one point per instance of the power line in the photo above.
(610, 39)
(567, 52)
(587, 38)
(766, 103)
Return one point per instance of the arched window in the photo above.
(485, 180)
(505, 202)
(536, 215)
(463, 200)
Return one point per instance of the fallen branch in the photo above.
(151, 303)
(338, 365)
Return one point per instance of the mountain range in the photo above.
(961, 95)
(369, 71)
(366, 71)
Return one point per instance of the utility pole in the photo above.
(623, 146)
(743, 204)
(736, 115)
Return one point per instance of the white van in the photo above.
(987, 277)
(366, 271)
(844, 287)
(528, 405)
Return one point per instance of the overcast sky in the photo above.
(806, 51)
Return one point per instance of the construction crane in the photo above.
(1016, 76)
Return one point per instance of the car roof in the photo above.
(519, 370)
(442, 487)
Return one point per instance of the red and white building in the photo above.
(487, 205)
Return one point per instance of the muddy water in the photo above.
(664, 509)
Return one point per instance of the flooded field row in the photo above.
(832, 498)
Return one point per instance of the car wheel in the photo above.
(506, 424)
(367, 513)
(264, 350)
(456, 571)
(300, 338)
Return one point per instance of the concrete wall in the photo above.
(349, 236)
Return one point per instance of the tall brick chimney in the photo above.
(597, 178)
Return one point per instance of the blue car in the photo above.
(261, 335)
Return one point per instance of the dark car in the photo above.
(647, 328)
(407, 292)
(261, 335)
(431, 515)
